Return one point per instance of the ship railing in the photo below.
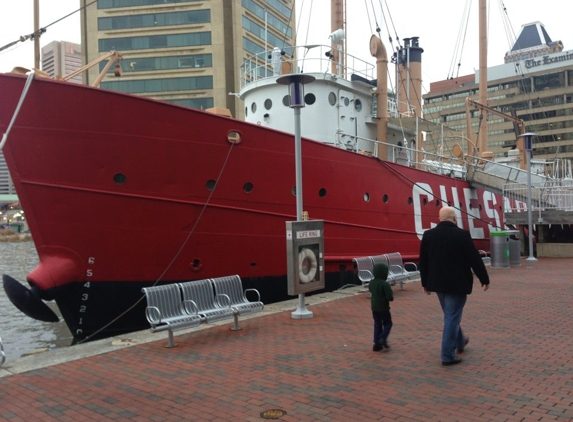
(551, 195)
(435, 163)
(306, 59)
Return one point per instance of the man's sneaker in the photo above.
(377, 347)
(385, 344)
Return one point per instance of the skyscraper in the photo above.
(60, 58)
(187, 52)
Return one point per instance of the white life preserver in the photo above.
(309, 255)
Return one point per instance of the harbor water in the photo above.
(21, 334)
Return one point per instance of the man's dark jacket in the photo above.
(447, 256)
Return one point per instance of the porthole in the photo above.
(210, 185)
(119, 178)
(268, 103)
(254, 107)
(358, 105)
(437, 202)
(346, 101)
(410, 202)
(479, 206)
(293, 191)
(309, 99)
(332, 98)
(286, 100)
(322, 192)
(424, 202)
(248, 187)
(246, 111)
(385, 199)
(366, 197)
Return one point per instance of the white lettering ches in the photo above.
(466, 220)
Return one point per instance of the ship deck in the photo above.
(517, 365)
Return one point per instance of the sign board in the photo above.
(305, 256)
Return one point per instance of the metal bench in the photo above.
(397, 269)
(229, 293)
(376, 259)
(364, 267)
(199, 295)
(165, 310)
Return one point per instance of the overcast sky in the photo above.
(436, 22)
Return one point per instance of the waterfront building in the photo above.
(534, 84)
(187, 52)
(60, 58)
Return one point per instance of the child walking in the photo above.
(380, 298)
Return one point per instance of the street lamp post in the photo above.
(528, 147)
(296, 84)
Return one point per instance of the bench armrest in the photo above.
(153, 315)
(252, 290)
(223, 301)
(190, 307)
(410, 264)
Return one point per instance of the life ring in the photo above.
(307, 254)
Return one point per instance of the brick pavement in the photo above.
(518, 365)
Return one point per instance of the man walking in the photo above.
(447, 257)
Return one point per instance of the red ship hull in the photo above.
(119, 194)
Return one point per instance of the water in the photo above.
(21, 334)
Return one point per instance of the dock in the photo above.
(517, 366)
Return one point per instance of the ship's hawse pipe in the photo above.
(378, 50)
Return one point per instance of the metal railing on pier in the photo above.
(552, 195)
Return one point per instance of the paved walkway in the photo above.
(518, 365)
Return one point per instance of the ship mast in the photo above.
(483, 129)
(338, 21)
(36, 34)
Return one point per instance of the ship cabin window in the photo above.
(286, 100)
(332, 98)
(385, 198)
(322, 192)
(254, 107)
(424, 202)
(366, 197)
(437, 202)
(246, 111)
(410, 201)
(309, 99)
(358, 105)
(268, 104)
(346, 101)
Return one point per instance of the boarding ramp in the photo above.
(493, 176)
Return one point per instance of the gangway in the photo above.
(492, 176)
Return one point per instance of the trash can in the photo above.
(499, 247)
(514, 248)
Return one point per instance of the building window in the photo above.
(143, 64)
(110, 4)
(159, 85)
(151, 20)
(154, 41)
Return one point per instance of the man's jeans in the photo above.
(452, 336)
